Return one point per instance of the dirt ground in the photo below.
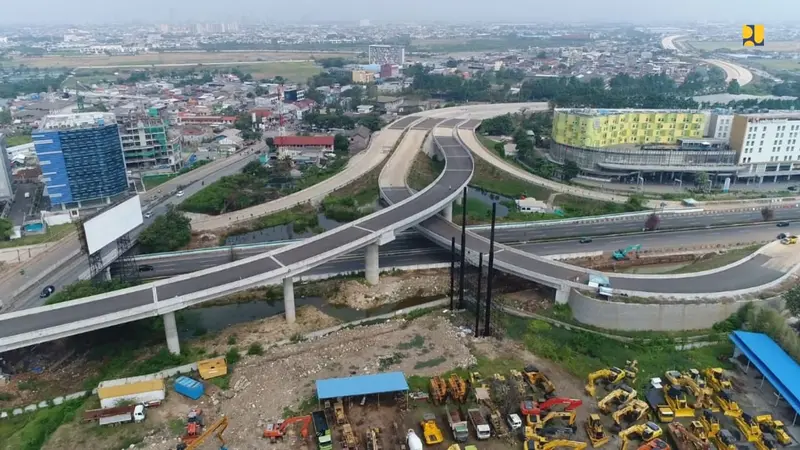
(392, 289)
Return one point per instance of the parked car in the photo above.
(47, 291)
(792, 188)
(148, 215)
(783, 224)
(146, 268)
(179, 194)
(585, 240)
(782, 236)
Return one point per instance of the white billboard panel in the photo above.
(109, 225)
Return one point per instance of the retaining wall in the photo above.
(612, 315)
(17, 255)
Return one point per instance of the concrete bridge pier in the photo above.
(562, 294)
(371, 265)
(447, 212)
(173, 344)
(288, 299)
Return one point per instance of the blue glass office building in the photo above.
(81, 158)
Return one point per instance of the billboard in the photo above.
(112, 223)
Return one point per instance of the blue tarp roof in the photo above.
(776, 365)
(361, 385)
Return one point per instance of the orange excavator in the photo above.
(532, 408)
(275, 431)
(217, 428)
(194, 425)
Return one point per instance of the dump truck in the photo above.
(322, 430)
(134, 414)
(458, 426)
(482, 429)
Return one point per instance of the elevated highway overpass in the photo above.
(407, 209)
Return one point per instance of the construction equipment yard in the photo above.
(425, 382)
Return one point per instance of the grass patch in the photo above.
(53, 233)
(485, 366)
(18, 139)
(716, 261)
(307, 406)
(581, 353)
(223, 382)
(430, 363)
(416, 342)
(423, 171)
(30, 431)
(232, 356)
(85, 288)
(176, 426)
(255, 349)
(489, 178)
(355, 200)
(156, 180)
(302, 218)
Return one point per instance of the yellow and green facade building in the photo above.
(637, 142)
(599, 128)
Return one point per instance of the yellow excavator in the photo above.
(217, 428)
(594, 429)
(710, 423)
(646, 431)
(774, 427)
(568, 417)
(622, 394)
(612, 375)
(537, 379)
(677, 402)
(535, 444)
(717, 379)
(629, 412)
(694, 381)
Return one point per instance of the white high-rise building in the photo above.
(767, 144)
(387, 54)
(6, 185)
(720, 124)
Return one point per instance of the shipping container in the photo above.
(212, 368)
(139, 392)
(189, 387)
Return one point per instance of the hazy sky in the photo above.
(154, 11)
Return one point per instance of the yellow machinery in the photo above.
(788, 240)
(726, 402)
(438, 390)
(646, 431)
(616, 397)
(536, 444)
(476, 380)
(629, 412)
(430, 429)
(717, 380)
(458, 388)
(610, 376)
(349, 437)
(338, 409)
(676, 399)
(373, 439)
(539, 380)
(594, 429)
(691, 439)
(724, 440)
(568, 417)
(710, 423)
(217, 428)
(749, 427)
(767, 442)
(694, 383)
(774, 427)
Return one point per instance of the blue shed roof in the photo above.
(780, 369)
(361, 385)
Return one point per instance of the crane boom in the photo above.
(217, 427)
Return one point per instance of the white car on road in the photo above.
(179, 194)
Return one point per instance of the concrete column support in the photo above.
(288, 299)
(562, 295)
(173, 344)
(371, 264)
(447, 212)
(107, 273)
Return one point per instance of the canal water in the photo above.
(194, 322)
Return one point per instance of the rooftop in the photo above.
(774, 115)
(593, 112)
(361, 385)
(304, 141)
(773, 362)
(79, 120)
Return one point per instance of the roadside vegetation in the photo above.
(169, 232)
(85, 288)
(53, 233)
(156, 180)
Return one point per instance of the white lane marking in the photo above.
(363, 229)
(276, 261)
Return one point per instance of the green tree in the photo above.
(767, 213)
(792, 299)
(500, 149)
(734, 88)
(341, 143)
(85, 288)
(5, 116)
(167, 233)
(6, 228)
(701, 181)
(371, 121)
(570, 170)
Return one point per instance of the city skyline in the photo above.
(153, 11)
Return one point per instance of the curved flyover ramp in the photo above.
(46, 323)
(758, 271)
